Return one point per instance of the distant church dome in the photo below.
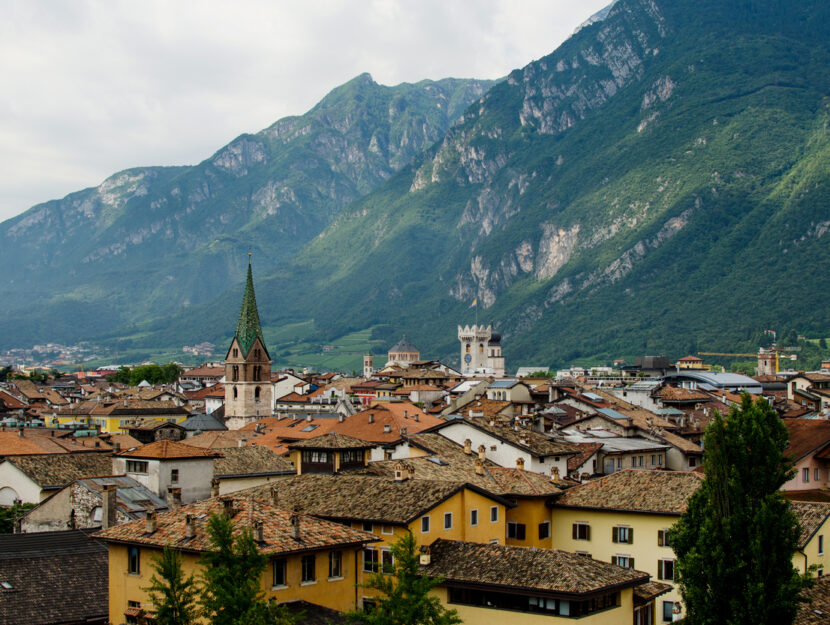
(403, 353)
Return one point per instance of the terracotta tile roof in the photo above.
(294, 398)
(545, 570)
(223, 439)
(397, 415)
(646, 592)
(75, 566)
(816, 610)
(315, 533)
(37, 441)
(331, 440)
(204, 371)
(816, 495)
(534, 442)
(359, 497)
(586, 450)
(680, 443)
(638, 490)
(29, 390)
(811, 516)
(678, 394)
(806, 436)
(10, 401)
(54, 398)
(483, 407)
(165, 450)
(207, 391)
(54, 471)
(250, 461)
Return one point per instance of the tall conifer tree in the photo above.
(735, 542)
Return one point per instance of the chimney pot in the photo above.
(241, 442)
(227, 507)
(308, 418)
(116, 447)
(479, 466)
(275, 497)
(417, 417)
(482, 452)
(20, 432)
(150, 521)
(520, 463)
(554, 474)
(387, 428)
(214, 487)
(174, 497)
(340, 418)
(258, 532)
(189, 526)
(468, 446)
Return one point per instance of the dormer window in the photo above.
(235, 352)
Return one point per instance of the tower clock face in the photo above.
(467, 358)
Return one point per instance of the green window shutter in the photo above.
(660, 538)
(613, 559)
(659, 569)
(615, 533)
(574, 531)
(630, 535)
(631, 563)
(588, 532)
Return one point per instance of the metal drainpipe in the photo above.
(356, 586)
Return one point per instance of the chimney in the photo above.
(479, 466)
(295, 525)
(174, 497)
(371, 417)
(108, 496)
(116, 447)
(241, 442)
(20, 432)
(520, 463)
(227, 507)
(410, 472)
(189, 526)
(492, 422)
(340, 418)
(417, 417)
(424, 558)
(481, 452)
(214, 487)
(400, 468)
(275, 496)
(308, 418)
(554, 474)
(468, 446)
(405, 415)
(403, 431)
(387, 428)
(150, 522)
(258, 533)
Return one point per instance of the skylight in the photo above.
(309, 428)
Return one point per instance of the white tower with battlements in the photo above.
(480, 351)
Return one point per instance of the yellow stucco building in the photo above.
(310, 559)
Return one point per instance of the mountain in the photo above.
(159, 240)
(657, 184)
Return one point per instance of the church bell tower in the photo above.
(247, 366)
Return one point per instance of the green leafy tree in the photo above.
(173, 595)
(404, 598)
(8, 516)
(232, 579)
(735, 542)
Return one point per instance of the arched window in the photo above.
(257, 353)
(235, 395)
(257, 372)
(468, 348)
(235, 374)
(256, 393)
(481, 348)
(235, 353)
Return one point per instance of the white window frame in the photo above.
(474, 517)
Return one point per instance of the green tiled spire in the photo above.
(248, 327)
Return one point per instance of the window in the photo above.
(235, 374)
(335, 564)
(387, 561)
(663, 538)
(494, 514)
(653, 460)
(235, 393)
(174, 476)
(473, 517)
(133, 561)
(544, 530)
(659, 460)
(515, 530)
(668, 611)
(316, 457)
(425, 525)
(256, 392)
(235, 353)
(386, 529)
(816, 475)
(619, 462)
(448, 520)
(581, 531)
(692, 462)
(583, 553)
(309, 574)
(622, 534)
(367, 527)
(805, 475)
(132, 606)
(626, 562)
(665, 570)
(821, 544)
(278, 568)
(370, 560)
(136, 466)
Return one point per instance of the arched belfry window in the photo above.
(256, 393)
(235, 394)
(235, 373)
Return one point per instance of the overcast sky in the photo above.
(90, 87)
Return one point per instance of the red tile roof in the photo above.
(806, 436)
(168, 449)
